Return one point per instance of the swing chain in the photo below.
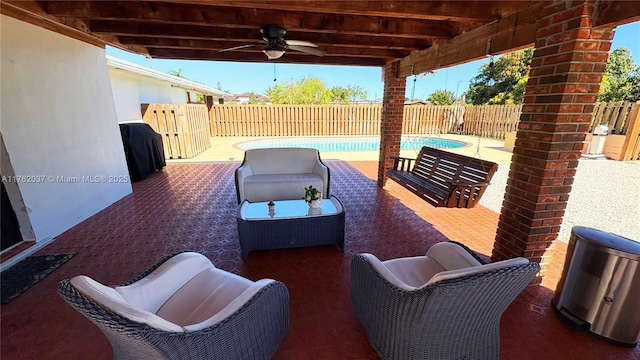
(478, 148)
(415, 78)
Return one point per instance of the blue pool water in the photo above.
(368, 143)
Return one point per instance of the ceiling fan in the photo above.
(276, 45)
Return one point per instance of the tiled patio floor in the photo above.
(192, 207)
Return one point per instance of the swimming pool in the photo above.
(358, 143)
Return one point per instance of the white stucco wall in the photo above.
(131, 90)
(58, 121)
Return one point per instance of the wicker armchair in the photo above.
(445, 305)
(185, 308)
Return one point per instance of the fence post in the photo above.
(209, 101)
(631, 146)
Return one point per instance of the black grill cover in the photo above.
(143, 149)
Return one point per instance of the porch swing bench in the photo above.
(443, 179)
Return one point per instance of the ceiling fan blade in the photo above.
(237, 47)
(308, 50)
(300, 43)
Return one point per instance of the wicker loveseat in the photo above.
(280, 174)
(445, 305)
(185, 308)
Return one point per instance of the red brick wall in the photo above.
(565, 76)
(391, 126)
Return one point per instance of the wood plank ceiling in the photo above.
(367, 33)
(423, 35)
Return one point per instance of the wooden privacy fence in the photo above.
(294, 120)
(330, 120)
(493, 121)
(618, 116)
(624, 122)
(429, 119)
(184, 128)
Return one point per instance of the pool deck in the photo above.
(226, 149)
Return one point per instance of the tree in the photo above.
(621, 78)
(442, 97)
(502, 81)
(347, 94)
(634, 93)
(176, 72)
(304, 91)
(313, 90)
(357, 93)
(340, 95)
(219, 87)
(253, 99)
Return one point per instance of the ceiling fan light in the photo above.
(273, 54)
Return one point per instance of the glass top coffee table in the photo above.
(292, 224)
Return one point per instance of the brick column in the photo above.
(391, 125)
(565, 76)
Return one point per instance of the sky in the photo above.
(237, 77)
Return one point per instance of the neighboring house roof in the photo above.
(245, 97)
(117, 63)
(417, 102)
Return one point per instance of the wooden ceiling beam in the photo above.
(514, 32)
(246, 36)
(118, 28)
(32, 13)
(331, 49)
(460, 11)
(233, 17)
(289, 57)
(609, 14)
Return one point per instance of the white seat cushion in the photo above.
(267, 187)
(452, 274)
(230, 308)
(203, 297)
(443, 261)
(416, 271)
(152, 291)
(282, 160)
(189, 293)
(413, 271)
(110, 299)
(451, 256)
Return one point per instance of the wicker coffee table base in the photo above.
(291, 232)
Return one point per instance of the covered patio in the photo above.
(404, 38)
(193, 207)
